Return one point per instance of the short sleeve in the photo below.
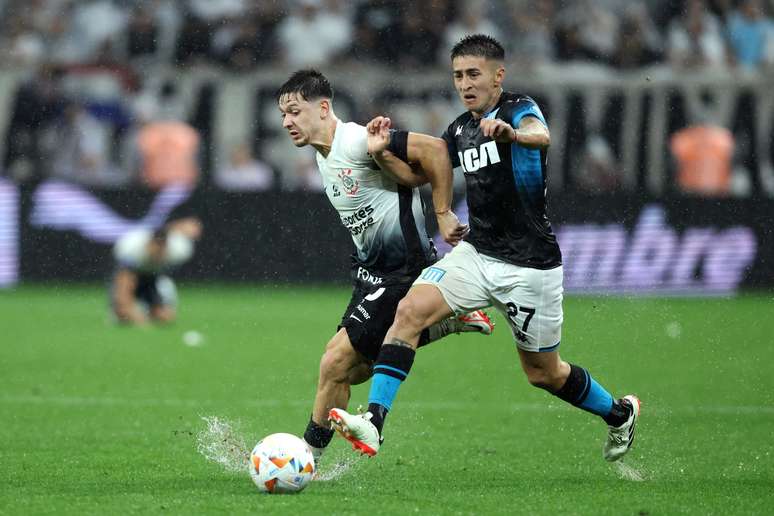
(129, 251)
(357, 143)
(179, 249)
(451, 146)
(399, 144)
(525, 106)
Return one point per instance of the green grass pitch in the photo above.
(98, 419)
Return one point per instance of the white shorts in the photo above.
(530, 299)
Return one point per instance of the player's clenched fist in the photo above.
(450, 227)
(378, 134)
(378, 123)
(499, 130)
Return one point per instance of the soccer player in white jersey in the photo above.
(141, 291)
(385, 217)
(510, 259)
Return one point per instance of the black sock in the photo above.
(378, 413)
(618, 414)
(316, 435)
(575, 388)
(392, 366)
(582, 391)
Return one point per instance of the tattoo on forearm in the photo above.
(398, 342)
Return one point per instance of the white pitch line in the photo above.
(109, 401)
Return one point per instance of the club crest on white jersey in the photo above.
(386, 220)
(351, 186)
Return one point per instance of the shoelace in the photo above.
(617, 437)
(364, 413)
(367, 416)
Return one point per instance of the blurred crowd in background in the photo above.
(243, 34)
(109, 49)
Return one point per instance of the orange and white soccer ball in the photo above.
(281, 463)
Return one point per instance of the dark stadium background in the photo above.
(613, 109)
(661, 191)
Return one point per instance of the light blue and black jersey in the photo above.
(506, 188)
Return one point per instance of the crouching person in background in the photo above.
(140, 290)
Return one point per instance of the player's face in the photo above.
(478, 81)
(300, 118)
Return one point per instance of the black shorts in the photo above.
(370, 314)
(147, 290)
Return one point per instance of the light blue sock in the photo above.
(581, 390)
(384, 388)
(391, 368)
(598, 401)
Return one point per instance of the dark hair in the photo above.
(478, 45)
(307, 84)
(160, 234)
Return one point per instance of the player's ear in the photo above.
(499, 76)
(325, 108)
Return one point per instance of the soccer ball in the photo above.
(281, 463)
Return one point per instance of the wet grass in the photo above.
(98, 419)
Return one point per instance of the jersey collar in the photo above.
(493, 112)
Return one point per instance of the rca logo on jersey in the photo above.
(351, 186)
(474, 159)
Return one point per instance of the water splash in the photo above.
(629, 472)
(337, 469)
(219, 442)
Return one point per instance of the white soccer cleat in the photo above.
(477, 321)
(620, 438)
(357, 429)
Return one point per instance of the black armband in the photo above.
(399, 144)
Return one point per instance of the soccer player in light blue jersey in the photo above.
(510, 259)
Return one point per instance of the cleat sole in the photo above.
(338, 424)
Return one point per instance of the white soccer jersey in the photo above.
(131, 251)
(386, 220)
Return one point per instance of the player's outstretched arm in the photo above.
(432, 157)
(378, 131)
(398, 170)
(531, 132)
(432, 154)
